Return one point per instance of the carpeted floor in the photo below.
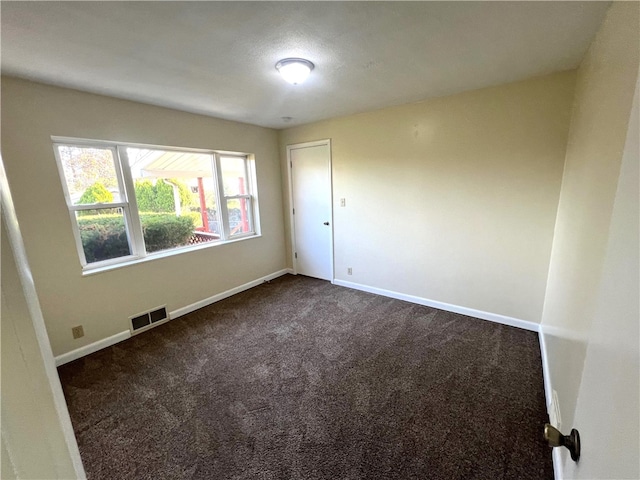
(301, 379)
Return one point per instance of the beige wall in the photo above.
(604, 92)
(452, 199)
(102, 302)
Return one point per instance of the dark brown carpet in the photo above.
(301, 379)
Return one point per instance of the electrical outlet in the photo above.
(343, 202)
(78, 331)
(349, 271)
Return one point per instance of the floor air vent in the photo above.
(144, 321)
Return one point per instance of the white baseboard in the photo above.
(119, 337)
(548, 394)
(548, 391)
(492, 317)
(557, 464)
(92, 347)
(221, 296)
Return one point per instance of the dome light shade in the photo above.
(294, 70)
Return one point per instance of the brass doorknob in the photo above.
(555, 438)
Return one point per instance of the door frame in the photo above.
(40, 359)
(297, 146)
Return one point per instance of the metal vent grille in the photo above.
(144, 321)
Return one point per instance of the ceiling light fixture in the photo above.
(294, 70)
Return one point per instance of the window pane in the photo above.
(90, 174)
(164, 231)
(103, 234)
(234, 175)
(176, 197)
(239, 219)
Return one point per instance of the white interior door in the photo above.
(310, 167)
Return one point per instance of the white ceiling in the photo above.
(218, 58)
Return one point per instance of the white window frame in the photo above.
(129, 206)
(225, 198)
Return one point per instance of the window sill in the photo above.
(88, 270)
